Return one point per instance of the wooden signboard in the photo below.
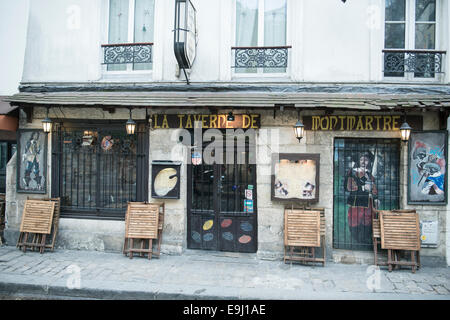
(205, 121)
(360, 122)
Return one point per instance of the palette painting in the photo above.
(295, 179)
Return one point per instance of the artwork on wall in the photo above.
(166, 180)
(295, 177)
(427, 168)
(31, 161)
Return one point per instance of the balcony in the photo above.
(272, 59)
(127, 53)
(420, 64)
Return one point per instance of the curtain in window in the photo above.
(274, 26)
(394, 35)
(425, 36)
(118, 26)
(144, 17)
(246, 26)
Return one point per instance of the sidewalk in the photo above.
(205, 275)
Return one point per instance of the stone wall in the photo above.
(275, 136)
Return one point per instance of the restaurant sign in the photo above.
(205, 121)
(360, 122)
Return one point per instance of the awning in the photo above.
(251, 97)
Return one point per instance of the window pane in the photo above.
(118, 27)
(425, 10)
(144, 17)
(425, 36)
(275, 23)
(246, 27)
(394, 36)
(395, 10)
(274, 27)
(246, 23)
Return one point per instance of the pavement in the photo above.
(205, 275)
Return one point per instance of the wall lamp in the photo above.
(47, 124)
(299, 128)
(130, 125)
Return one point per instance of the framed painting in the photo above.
(166, 179)
(31, 161)
(427, 167)
(295, 177)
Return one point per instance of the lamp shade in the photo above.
(299, 130)
(130, 126)
(47, 125)
(405, 131)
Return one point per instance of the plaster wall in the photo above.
(331, 42)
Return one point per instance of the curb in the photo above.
(60, 292)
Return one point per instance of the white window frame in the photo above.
(145, 75)
(410, 33)
(259, 73)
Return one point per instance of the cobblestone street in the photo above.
(206, 275)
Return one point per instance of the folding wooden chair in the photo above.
(400, 231)
(303, 230)
(141, 224)
(51, 239)
(37, 220)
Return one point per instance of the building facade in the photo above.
(351, 72)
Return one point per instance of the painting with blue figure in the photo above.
(427, 167)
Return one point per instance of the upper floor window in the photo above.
(130, 35)
(410, 40)
(260, 38)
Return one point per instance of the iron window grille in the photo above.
(98, 169)
(127, 53)
(261, 57)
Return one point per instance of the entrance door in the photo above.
(222, 210)
(366, 176)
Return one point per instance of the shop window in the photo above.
(97, 171)
(260, 36)
(410, 41)
(130, 35)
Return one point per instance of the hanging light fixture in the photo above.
(130, 125)
(47, 124)
(405, 131)
(299, 128)
(230, 116)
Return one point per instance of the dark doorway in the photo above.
(366, 177)
(221, 202)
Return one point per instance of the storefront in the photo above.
(221, 178)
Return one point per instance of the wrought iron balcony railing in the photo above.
(423, 63)
(261, 57)
(127, 53)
